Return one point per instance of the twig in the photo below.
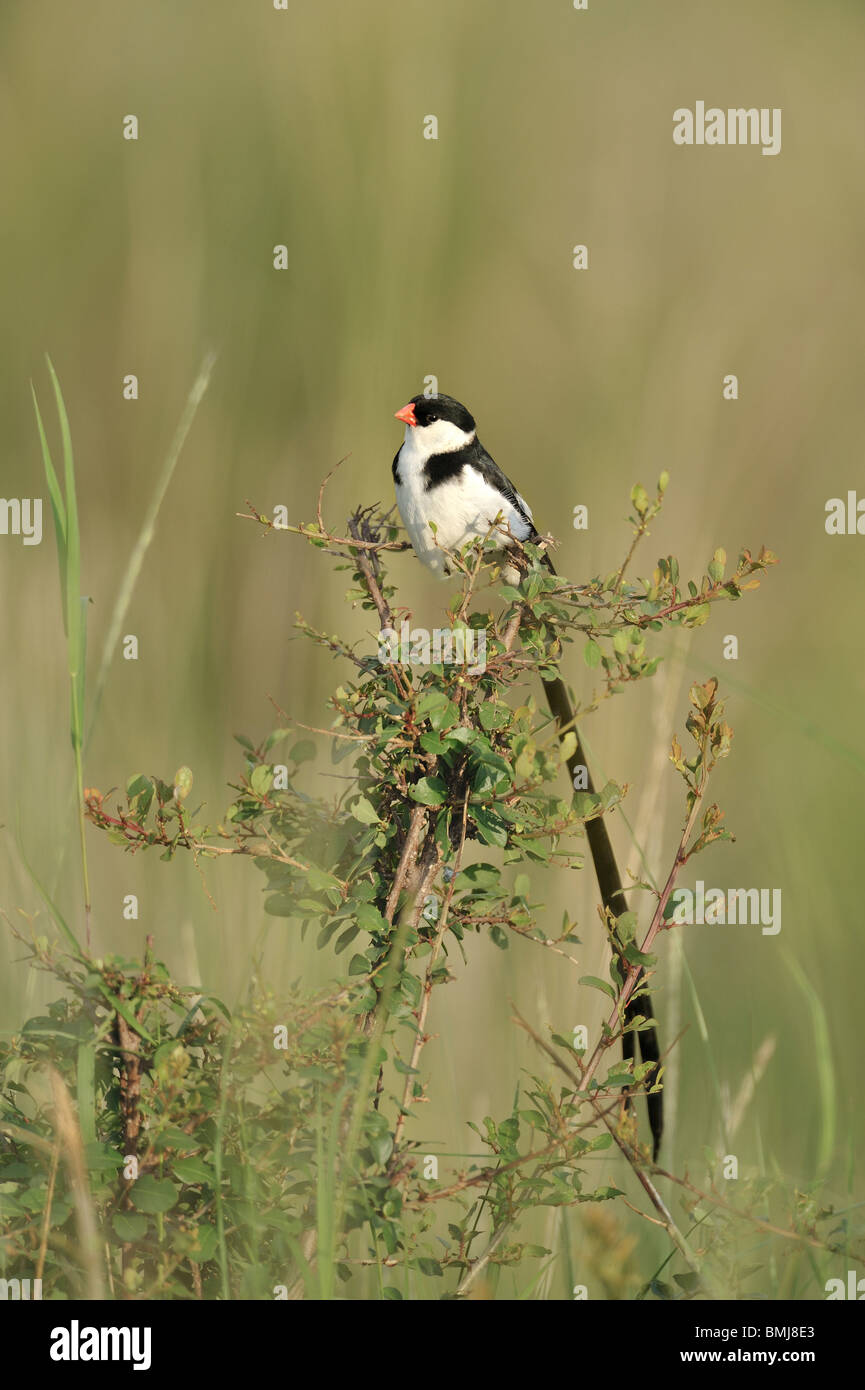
(416, 827)
(369, 568)
(483, 1260)
(46, 1220)
(634, 971)
(630, 1153)
(420, 1036)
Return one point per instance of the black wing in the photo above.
(441, 468)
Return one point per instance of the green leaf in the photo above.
(490, 827)
(568, 745)
(346, 938)
(140, 790)
(102, 1158)
(382, 1146)
(591, 653)
(280, 905)
(626, 926)
(129, 1226)
(125, 1012)
(433, 743)
(369, 918)
(696, 616)
(261, 779)
(594, 983)
(640, 499)
(493, 716)
(363, 810)
(207, 1240)
(362, 1003)
(429, 791)
(173, 1137)
(602, 1141)
(410, 988)
(610, 794)
(153, 1195)
(318, 880)
(634, 956)
(275, 737)
(429, 701)
(478, 876)
(193, 1170)
(443, 716)
(619, 1078)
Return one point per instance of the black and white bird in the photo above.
(445, 479)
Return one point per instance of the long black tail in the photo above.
(612, 894)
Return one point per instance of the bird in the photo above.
(450, 491)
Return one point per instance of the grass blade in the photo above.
(58, 506)
(148, 528)
(65, 510)
(825, 1068)
(55, 912)
(73, 537)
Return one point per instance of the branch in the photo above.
(420, 1036)
(631, 1154)
(368, 565)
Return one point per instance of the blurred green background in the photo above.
(410, 257)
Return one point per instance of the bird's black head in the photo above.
(427, 410)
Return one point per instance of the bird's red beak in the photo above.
(407, 414)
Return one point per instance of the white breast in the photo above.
(460, 509)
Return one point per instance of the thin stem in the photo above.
(630, 982)
(420, 1036)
